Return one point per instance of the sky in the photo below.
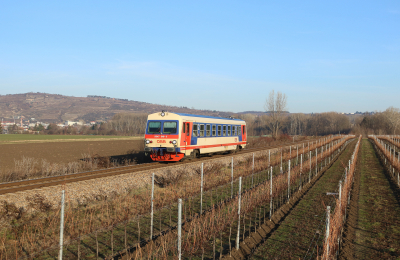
(341, 56)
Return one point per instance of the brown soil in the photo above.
(373, 227)
(64, 152)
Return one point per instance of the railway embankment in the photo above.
(88, 190)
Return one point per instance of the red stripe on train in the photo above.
(158, 136)
(209, 146)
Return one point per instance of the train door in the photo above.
(186, 133)
(244, 134)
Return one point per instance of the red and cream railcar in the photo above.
(174, 136)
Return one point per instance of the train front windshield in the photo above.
(154, 127)
(169, 128)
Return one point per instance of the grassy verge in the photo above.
(378, 226)
(303, 229)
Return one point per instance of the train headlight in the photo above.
(174, 142)
(162, 113)
(148, 141)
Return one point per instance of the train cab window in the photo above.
(169, 128)
(201, 130)
(214, 127)
(224, 130)
(229, 130)
(219, 130)
(195, 130)
(154, 127)
(208, 129)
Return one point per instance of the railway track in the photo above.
(12, 187)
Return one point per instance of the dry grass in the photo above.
(35, 228)
(31, 168)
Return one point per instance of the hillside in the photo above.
(58, 108)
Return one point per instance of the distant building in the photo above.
(71, 123)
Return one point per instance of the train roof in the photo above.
(202, 116)
(213, 117)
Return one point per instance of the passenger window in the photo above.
(239, 130)
(224, 130)
(219, 130)
(235, 129)
(201, 130)
(195, 130)
(229, 130)
(244, 130)
(213, 130)
(208, 130)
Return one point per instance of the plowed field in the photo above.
(66, 151)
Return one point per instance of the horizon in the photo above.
(240, 112)
(225, 56)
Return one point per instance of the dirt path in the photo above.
(373, 228)
(293, 238)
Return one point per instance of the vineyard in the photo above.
(218, 211)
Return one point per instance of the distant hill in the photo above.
(53, 108)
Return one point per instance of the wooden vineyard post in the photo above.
(269, 157)
(179, 228)
(270, 192)
(301, 169)
(152, 207)
(289, 183)
(281, 161)
(232, 179)
(309, 177)
(316, 161)
(62, 225)
(201, 190)
(252, 175)
(240, 196)
(328, 214)
(340, 195)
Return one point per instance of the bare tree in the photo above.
(275, 105)
(393, 116)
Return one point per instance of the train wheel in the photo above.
(195, 154)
